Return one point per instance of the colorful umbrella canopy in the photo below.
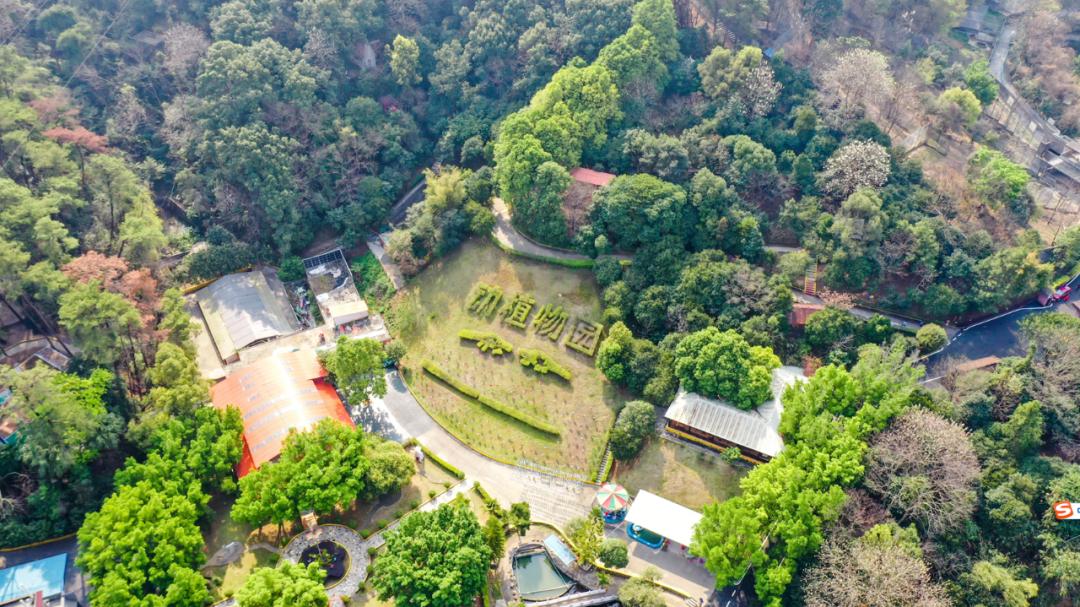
(612, 497)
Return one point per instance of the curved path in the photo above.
(399, 416)
(348, 539)
(510, 238)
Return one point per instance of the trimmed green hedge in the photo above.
(435, 370)
(487, 342)
(489, 502)
(489, 402)
(542, 363)
(578, 264)
(445, 465)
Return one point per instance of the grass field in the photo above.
(427, 317)
(681, 474)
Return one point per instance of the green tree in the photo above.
(978, 78)
(642, 591)
(587, 535)
(931, 337)
(143, 542)
(287, 585)
(404, 60)
(323, 468)
(495, 536)
(101, 323)
(636, 422)
(720, 364)
(658, 16)
(520, 517)
(640, 209)
(724, 72)
(613, 553)
(63, 421)
(434, 559)
(959, 108)
(991, 583)
(998, 180)
(357, 367)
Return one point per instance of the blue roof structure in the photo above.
(46, 575)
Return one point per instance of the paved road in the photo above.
(377, 246)
(897, 322)
(553, 500)
(509, 237)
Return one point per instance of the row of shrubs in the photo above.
(542, 363)
(445, 465)
(489, 402)
(487, 342)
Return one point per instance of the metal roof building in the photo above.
(284, 392)
(244, 309)
(720, 425)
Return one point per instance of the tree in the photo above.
(404, 60)
(642, 591)
(636, 422)
(931, 337)
(613, 553)
(520, 517)
(855, 165)
(857, 80)
(958, 108)
(321, 469)
(1054, 339)
(719, 364)
(998, 180)
(357, 367)
(145, 541)
(872, 571)
(287, 585)
(993, 583)
(587, 535)
(982, 83)
(102, 323)
(658, 16)
(495, 536)
(434, 559)
(725, 72)
(63, 420)
(634, 210)
(924, 467)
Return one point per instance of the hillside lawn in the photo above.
(427, 316)
(682, 474)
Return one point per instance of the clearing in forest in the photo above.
(543, 309)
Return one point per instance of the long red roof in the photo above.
(277, 394)
(591, 177)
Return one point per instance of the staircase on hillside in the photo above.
(810, 281)
(605, 464)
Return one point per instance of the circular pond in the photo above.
(330, 556)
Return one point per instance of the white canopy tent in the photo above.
(663, 517)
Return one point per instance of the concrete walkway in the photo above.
(377, 246)
(552, 500)
(510, 238)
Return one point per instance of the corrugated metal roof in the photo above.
(241, 309)
(756, 429)
(275, 395)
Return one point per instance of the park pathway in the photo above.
(552, 500)
(377, 245)
(508, 236)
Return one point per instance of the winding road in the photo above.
(399, 416)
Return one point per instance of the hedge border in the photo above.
(576, 264)
(476, 337)
(489, 402)
(445, 465)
